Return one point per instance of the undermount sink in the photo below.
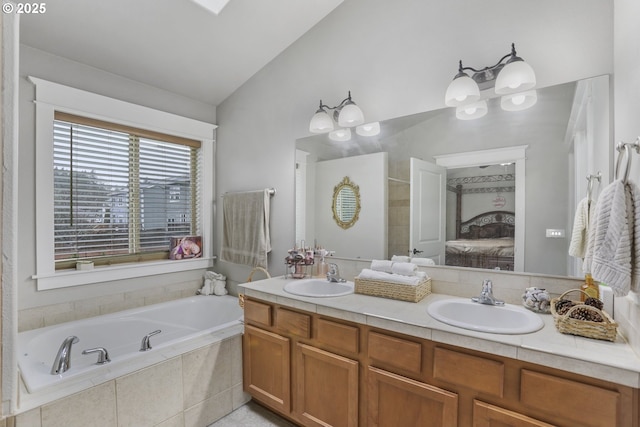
(466, 314)
(318, 288)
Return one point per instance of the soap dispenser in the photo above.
(322, 267)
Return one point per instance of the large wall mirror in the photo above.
(565, 137)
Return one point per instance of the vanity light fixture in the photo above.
(510, 76)
(347, 114)
(340, 134)
(368, 129)
(472, 111)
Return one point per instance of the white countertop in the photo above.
(611, 361)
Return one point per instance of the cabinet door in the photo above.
(266, 367)
(395, 400)
(326, 388)
(485, 415)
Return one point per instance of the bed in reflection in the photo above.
(484, 241)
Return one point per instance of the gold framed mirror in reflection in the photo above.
(346, 203)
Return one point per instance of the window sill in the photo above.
(67, 278)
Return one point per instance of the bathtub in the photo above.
(186, 324)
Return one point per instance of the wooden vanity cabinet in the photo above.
(320, 371)
(303, 366)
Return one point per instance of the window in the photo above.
(114, 182)
(117, 194)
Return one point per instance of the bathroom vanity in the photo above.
(357, 360)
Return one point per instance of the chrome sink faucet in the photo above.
(333, 275)
(486, 295)
(62, 361)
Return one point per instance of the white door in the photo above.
(427, 210)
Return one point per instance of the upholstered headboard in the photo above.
(489, 225)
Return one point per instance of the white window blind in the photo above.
(120, 195)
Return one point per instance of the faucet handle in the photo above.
(487, 285)
(103, 354)
(145, 345)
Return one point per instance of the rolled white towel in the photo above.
(404, 268)
(400, 258)
(381, 265)
(425, 262)
(388, 277)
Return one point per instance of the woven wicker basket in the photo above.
(398, 291)
(605, 330)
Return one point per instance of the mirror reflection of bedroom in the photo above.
(481, 217)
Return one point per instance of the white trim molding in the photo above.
(51, 97)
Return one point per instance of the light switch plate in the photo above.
(555, 233)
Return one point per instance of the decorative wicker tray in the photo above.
(398, 291)
(605, 330)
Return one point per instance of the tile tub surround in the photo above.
(612, 361)
(191, 390)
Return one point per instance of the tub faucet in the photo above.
(146, 344)
(333, 275)
(62, 361)
(103, 354)
(486, 295)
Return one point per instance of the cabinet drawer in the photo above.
(477, 373)
(294, 323)
(337, 335)
(257, 312)
(583, 404)
(397, 352)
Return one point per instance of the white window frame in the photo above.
(51, 97)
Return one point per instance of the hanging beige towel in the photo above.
(579, 235)
(245, 237)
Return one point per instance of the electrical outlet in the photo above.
(555, 233)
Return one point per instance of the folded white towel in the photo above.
(388, 277)
(381, 265)
(400, 258)
(404, 268)
(425, 262)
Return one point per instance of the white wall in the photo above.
(368, 236)
(627, 128)
(397, 58)
(40, 64)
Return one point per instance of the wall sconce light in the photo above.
(347, 114)
(510, 76)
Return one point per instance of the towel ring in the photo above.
(627, 153)
(591, 178)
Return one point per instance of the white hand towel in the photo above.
(404, 268)
(425, 262)
(381, 265)
(387, 277)
(400, 258)
(580, 233)
(608, 255)
(634, 230)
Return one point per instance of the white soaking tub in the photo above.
(185, 324)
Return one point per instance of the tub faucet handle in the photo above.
(103, 354)
(146, 344)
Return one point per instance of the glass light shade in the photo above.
(340, 135)
(462, 90)
(472, 111)
(350, 116)
(519, 101)
(368, 129)
(320, 123)
(516, 76)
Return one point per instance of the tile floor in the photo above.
(252, 415)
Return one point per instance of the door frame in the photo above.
(517, 155)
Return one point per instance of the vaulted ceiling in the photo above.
(175, 45)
